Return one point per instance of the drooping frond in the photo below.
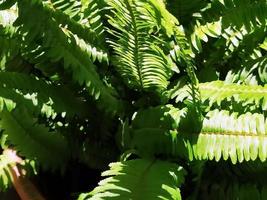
(139, 179)
(34, 140)
(89, 38)
(140, 58)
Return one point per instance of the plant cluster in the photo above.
(171, 93)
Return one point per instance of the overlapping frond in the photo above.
(139, 179)
(58, 44)
(230, 21)
(223, 135)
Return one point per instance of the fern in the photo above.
(136, 179)
(34, 140)
(47, 94)
(158, 83)
(235, 22)
(139, 58)
(229, 136)
(217, 92)
(73, 55)
(223, 135)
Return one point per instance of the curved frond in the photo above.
(139, 179)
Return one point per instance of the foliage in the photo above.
(165, 91)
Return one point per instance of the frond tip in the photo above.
(139, 179)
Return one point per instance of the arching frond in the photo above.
(93, 17)
(139, 179)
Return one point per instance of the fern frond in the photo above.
(229, 136)
(32, 140)
(139, 59)
(61, 45)
(93, 18)
(90, 39)
(216, 92)
(232, 22)
(7, 36)
(139, 179)
(69, 7)
(223, 135)
(41, 92)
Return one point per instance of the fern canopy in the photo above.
(151, 86)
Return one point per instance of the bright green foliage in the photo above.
(140, 58)
(138, 179)
(217, 92)
(165, 85)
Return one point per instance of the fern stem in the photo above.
(24, 187)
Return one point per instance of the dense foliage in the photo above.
(171, 93)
